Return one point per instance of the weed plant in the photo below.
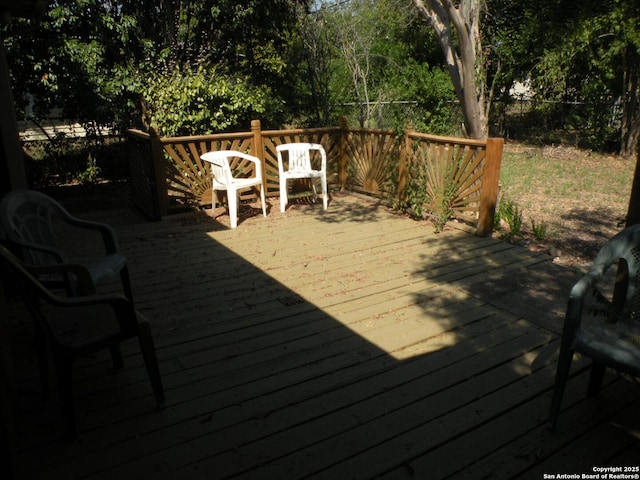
(510, 212)
(539, 229)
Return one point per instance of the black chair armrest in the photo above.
(106, 231)
(83, 280)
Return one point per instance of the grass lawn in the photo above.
(572, 200)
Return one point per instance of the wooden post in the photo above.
(343, 124)
(159, 169)
(257, 148)
(490, 186)
(12, 171)
(403, 161)
(633, 211)
(633, 217)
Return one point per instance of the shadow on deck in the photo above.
(350, 343)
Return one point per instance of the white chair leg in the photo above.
(214, 200)
(325, 195)
(232, 198)
(264, 207)
(283, 195)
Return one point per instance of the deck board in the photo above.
(351, 343)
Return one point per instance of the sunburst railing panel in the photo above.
(370, 157)
(446, 178)
(443, 176)
(188, 177)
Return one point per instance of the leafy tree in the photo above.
(596, 62)
(94, 57)
(367, 52)
(80, 57)
(432, 87)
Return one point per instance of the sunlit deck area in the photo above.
(337, 344)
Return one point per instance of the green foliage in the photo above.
(441, 203)
(63, 161)
(81, 58)
(539, 230)
(589, 63)
(97, 60)
(432, 88)
(364, 52)
(91, 173)
(430, 193)
(201, 100)
(94, 59)
(510, 212)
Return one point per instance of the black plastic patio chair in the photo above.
(608, 331)
(28, 223)
(70, 327)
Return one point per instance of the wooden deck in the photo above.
(350, 343)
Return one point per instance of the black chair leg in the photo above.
(116, 352)
(595, 379)
(6, 454)
(126, 283)
(151, 362)
(562, 374)
(64, 375)
(116, 356)
(42, 352)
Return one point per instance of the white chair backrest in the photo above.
(299, 159)
(219, 165)
(244, 165)
(300, 155)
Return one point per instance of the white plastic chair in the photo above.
(223, 178)
(299, 166)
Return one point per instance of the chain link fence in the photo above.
(443, 119)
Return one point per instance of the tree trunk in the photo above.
(630, 128)
(462, 63)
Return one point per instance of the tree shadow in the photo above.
(275, 369)
(590, 229)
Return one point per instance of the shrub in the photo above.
(201, 100)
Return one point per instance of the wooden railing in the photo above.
(376, 162)
(454, 176)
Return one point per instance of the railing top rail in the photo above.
(296, 131)
(266, 133)
(440, 139)
(136, 133)
(204, 138)
(373, 131)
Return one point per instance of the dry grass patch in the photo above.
(578, 197)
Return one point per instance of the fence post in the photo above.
(258, 149)
(159, 166)
(343, 124)
(403, 161)
(490, 186)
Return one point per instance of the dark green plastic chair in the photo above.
(70, 327)
(27, 223)
(611, 338)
